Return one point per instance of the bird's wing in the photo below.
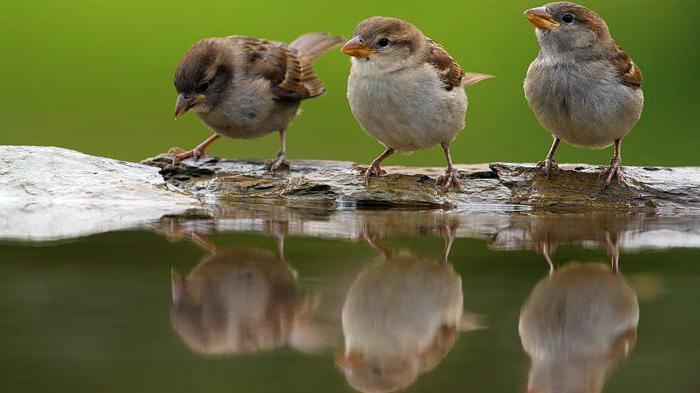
(291, 75)
(450, 72)
(630, 74)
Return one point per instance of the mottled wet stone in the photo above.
(484, 186)
(49, 193)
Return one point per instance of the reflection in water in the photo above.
(402, 314)
(243, 301)
(576, 325)
(401, 317)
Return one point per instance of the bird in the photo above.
(576, 325)
(244, 300)
(401, 316)
(241, 300)
(583, 88)
(406, 91)
(245, 87)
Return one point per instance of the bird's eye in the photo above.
(568, 18)
(376, 370)
(203, 87)
(383, 42)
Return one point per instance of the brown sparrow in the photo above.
(244, 301)
(400, 319)
(244, 87)
(576, 325)
(582, 87)
(406, 91)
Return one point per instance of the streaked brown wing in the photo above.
(450, 72)
(629, 73)
(291, 75)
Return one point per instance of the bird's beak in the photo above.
(186, 102)
(356, 48)
(541, 18)
(349, 362)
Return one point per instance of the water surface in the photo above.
(273, 300)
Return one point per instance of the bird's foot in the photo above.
(549, 167)
(612, 172)
(195, 153)
(448, 180)
(369, 172)
(280, 163)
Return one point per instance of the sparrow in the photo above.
(245, 87)
(401, 317)
(583, 88)
(576, 325)
(240, 301)
(406, 91)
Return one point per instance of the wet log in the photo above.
(484, 186)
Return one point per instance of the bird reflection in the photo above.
(243, 301)
(577, 324)
(401, 317)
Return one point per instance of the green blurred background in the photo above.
(96, 76)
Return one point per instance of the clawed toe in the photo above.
(448, 180)
(613, 172)
(195, 153)
(369, 172)
(279, 164)
(549, 167)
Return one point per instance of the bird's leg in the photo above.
(279, 231)
(280, 161)
(612, 245)
(174, 231)
(204, 242)
(547, 252)
(549, 166)
(448, 233)
(373, 239)
(374, 169)
(614, 169)
(449, 179)
(198, 151)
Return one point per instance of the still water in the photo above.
(272, 300)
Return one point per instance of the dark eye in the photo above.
(568, 18)
(383, 42)
(202, 88)
(375, 370)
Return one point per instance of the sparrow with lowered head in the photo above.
(582, 86)
(244, 87)
(406, 91)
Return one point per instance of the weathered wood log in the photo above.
(500, 185)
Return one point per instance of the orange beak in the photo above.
(541, 18)
(356, 48)
(349, 362)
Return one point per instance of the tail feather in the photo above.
(472, 78)
(313, 45)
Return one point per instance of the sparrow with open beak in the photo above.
(406, 91)
(582, 87)
(244, 87)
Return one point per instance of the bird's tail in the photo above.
(313, 45)
(472, 78)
